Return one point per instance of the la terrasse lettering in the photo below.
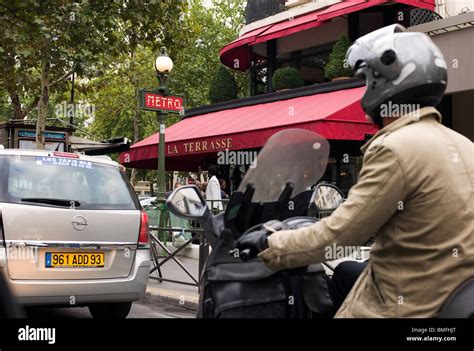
(173, 103)
(197, 146)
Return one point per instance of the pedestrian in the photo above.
(223, 186)
(213, 189)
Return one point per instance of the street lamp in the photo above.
(163, 66)
(163, 63)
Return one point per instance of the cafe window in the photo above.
(310, 62)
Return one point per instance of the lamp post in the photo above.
(163, 66)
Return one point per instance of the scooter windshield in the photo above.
(298, 156)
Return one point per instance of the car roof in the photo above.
(60, 154)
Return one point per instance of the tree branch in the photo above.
(12, 12)
(31, 106)
(62, 77)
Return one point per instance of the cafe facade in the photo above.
(240, 128)
(299, 36)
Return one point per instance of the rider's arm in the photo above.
(376, 197)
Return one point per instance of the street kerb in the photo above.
(178, 298)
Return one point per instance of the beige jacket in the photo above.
(416, 196)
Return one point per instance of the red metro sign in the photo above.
(152, 101)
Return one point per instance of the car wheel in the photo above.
(115, 310)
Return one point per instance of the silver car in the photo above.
(72, 232)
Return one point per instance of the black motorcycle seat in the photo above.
(248, 271)
(460, 303)
(239, 271)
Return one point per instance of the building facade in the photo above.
(301, 34)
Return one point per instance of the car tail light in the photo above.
(65, 154)
(144, 235)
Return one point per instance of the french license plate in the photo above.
(74, 260)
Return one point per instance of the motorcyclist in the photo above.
(414, 195)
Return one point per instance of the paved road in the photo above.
(143, 308)
(140, 309)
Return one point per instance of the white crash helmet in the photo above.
(399, 67)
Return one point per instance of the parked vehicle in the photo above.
(72, 232)
(274, 195)
(9, 308)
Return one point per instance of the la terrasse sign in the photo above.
(153, 101)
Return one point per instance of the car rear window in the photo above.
(90, 185)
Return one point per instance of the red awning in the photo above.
(314, 19)
(234, 51)
(236, 55)
(336, 115)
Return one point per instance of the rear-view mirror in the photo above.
(187, 202)
(327, 197)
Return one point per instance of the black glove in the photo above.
(249, 245)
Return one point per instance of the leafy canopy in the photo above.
(223, 86)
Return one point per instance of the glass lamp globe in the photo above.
(163, 63)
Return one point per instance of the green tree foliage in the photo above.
(223, 86)
(287, 78)
(206, 29)
(114, 96)
(194, 49)
(6, 110)
(43, 42)
(112, 47)
(337, 66)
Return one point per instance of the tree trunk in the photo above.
(17, 111)
(42, 106)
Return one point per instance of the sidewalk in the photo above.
(172, 293)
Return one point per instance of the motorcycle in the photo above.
(279, 191)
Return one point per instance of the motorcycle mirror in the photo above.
(187, 201)
(327, 197)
